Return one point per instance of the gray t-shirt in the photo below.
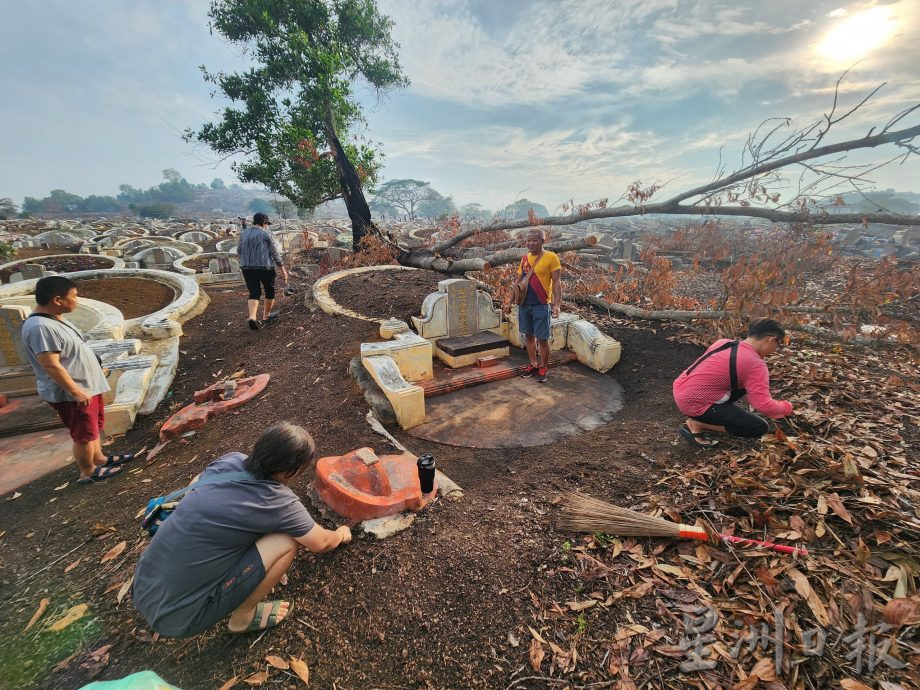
(43, 334)
(210, 530)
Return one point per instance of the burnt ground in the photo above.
(431, 607)
(133, 297)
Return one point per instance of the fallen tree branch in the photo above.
(687, 316)
(426, 258)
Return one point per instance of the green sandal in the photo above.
(266, 616)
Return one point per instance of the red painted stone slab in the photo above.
(27, 457)
(26, 414)
(448, 380)
(362, 491)
(208, 403)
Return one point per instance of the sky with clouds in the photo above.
(548, 99)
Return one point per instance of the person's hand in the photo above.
(284, 274)
(556, 311)
(81, 397)
(345, 531)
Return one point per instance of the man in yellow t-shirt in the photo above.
(544, 297)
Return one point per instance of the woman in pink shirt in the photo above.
(728, 370)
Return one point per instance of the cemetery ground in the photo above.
(483, 591)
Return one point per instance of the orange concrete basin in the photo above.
(361, 485)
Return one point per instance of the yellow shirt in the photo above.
(541, 282)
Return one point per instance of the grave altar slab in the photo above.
(464, 351)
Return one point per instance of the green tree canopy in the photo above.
(474, 212)
(518, 210)
(7, 208)
(404, 195)
(61, 201)
(293, 107)
(260, 206)
(218, 184)
(437, 206)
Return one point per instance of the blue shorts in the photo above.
(533, 319)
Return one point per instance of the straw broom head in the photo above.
(582, 513)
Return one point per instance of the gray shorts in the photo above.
(233, 589)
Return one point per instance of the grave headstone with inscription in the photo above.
(462, 311)
(458, 318)
(12, 352)
(16, 375)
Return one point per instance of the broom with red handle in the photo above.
(585, 514)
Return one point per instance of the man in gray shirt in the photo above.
(259, 256)
(231, 539)
(69, 377)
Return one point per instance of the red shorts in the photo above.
(85, 423)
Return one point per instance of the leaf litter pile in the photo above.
(841, 480)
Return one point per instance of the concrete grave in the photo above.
(56, 238)
(195, 236)
(29, 272)
(224, 269)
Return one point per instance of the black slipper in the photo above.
(254, 325)
(694, 439)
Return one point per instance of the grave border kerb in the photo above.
(186, 289)
(40, 259)
(325, 301)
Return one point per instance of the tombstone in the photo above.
(223, 269)
(458, 318)
(158, 256)
(12, 352)
(194, 237)
(628, 250)
(336, 254)
(32, 271)
(462, 312)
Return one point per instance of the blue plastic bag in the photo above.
(145, 680)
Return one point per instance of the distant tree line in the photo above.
(159, 201)
(410, 199)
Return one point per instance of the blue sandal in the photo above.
(100, 474)
(118, 460)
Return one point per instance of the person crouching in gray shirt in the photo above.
(230, 541)
(69, 377)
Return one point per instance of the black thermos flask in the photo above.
(426, 473)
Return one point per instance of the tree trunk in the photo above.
(358, 210)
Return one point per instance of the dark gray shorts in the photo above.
(232, 590)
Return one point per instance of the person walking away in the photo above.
(231, 540)
(260, 256)
(69, 377)
(543, 300)
(728, 370)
